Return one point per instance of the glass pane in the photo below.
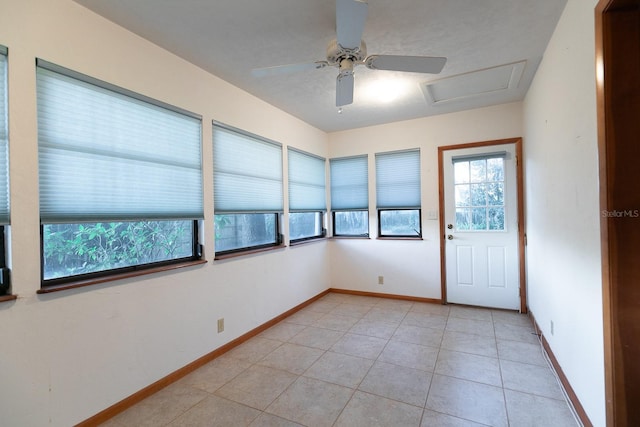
(478, 170)
(495, 194)
(495, 169)
(496, 218)
(73, 249)
(461, 172)
(400, 223)
(238, 231)
(303, 225)
(351, 223)
(462, 195)
(479, 218)
(478, 195)
(463, 219)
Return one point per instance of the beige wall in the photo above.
(409, 267)
(563, 222)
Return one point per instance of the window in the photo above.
(4, 170)
(479, 192)
(398, 194)
(247, 177)
(350, 196)
(307, 196)
(120, 178)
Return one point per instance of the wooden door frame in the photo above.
(520, 213)
(617, 90)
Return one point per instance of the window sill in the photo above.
(120, 276)
(5, 298)
(305, 241)
(399, 238)
(247, 252)
(350, 238)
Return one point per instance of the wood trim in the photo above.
(119, 276)
(441, 231)
(149, 390)
(582, 414)
(479, 144)
(601, 7)
(348, 238)
(4, 298)
(388, 296)
(415, 239)
(522, 238)
(307, 241)
(617, 43)
(239, 254)
(520, 212)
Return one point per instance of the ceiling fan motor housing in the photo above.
(336, 53)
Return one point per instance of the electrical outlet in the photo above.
(552, 327)
(380, 280)
(221, 325)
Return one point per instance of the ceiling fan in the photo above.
(349, 50)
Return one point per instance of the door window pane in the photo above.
(462, 195)
(496, 218)
(495, 194)
(479, 194)
(463, 219)
(495, 169)
(478, 218)
(461, 171)
(478, 170)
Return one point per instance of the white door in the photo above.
(481, 226)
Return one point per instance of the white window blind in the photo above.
(307, 190)
(108, 154)
(247, 172)
(4, 143)
(398, 179)
(349, 183)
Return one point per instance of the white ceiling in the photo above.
(229, 38)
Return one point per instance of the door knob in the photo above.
(450, 237)
(449, 226)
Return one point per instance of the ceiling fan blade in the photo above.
(289, 68)
(413, 64)
(350, 18)
(344, 89)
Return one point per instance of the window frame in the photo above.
(279, 240)
(243, 209)
(195, 214)
(366, 235)
(317, 207)
(400, 207)
(486, 206)
(5, 281)
(350, 203)
(399, 236)
(323, 229)
(196, 255)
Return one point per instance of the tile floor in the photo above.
(353, 361)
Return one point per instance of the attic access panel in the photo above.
(474, 84)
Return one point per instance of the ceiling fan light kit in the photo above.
(348, 50)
